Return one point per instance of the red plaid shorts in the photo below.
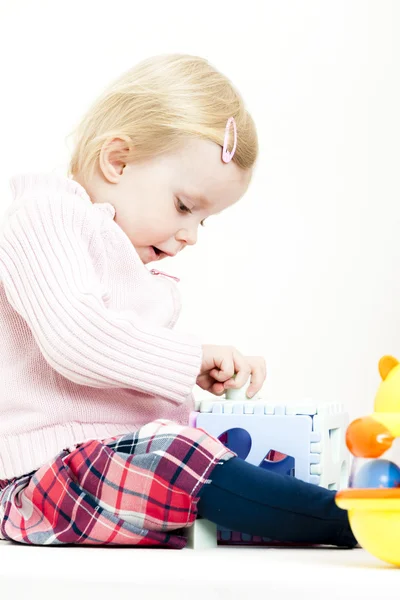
(140, 489)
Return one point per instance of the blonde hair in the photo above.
(158, 103)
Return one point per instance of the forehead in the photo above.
(204, 175)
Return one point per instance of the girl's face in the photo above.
(161, 202)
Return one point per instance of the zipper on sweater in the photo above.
(156, 272)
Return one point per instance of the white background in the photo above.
(305, 270)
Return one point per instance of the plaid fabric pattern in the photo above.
(138, 489)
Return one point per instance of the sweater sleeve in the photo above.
(48, 251)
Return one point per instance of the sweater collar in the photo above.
(44, 182)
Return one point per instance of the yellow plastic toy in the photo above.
(373, 496)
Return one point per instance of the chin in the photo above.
(142, 254)
(146, 260)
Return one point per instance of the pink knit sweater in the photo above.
(87, 346)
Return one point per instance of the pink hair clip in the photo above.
(226, 155)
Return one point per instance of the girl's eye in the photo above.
(183, 208)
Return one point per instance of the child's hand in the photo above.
(221, 363)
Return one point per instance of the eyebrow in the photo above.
(198, 198)
(202, 199)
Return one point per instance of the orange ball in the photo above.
(368, 438)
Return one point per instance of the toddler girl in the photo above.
(95, 446)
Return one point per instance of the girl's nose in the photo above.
(188, 236)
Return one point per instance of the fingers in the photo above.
(208, 383)
(253, 367)
(234, 371)
(217, 389)
(242, 370)
(224, 367)
(258, 375)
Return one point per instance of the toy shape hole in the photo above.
(277, 462)
(238, 440)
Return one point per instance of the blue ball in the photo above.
(378, 474)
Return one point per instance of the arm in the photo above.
(48, 252)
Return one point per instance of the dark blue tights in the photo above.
(252, 500)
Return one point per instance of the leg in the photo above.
(139, 489)
(251, 500)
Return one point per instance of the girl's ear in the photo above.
(112, 159)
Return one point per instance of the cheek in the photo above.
(151, 230)
(130, 225)
(149, 223)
